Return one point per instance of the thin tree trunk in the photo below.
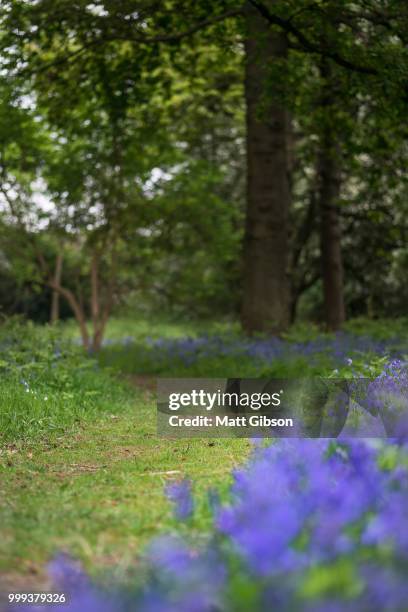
(76, 309)
(330, 228)
(293, 306)
(99, 332)
(95, 290)
(266, 306)
(97, 322)
(101, 311)
(55, 298)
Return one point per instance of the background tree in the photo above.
(155, 122)
(266, 247)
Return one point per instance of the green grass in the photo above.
(97, 491)
(141, 327)
(47, 385)
(137, 357)
(31, 412)
(81, 467)
(380, 329)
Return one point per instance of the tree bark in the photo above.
(101, 305)
(76, 309)
(329, 169)
(266, 303)
(95, 289)
(55, 298)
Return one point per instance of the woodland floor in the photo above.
(97, 493)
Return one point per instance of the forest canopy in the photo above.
(209, 159)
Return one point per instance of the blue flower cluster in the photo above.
(386, 396)
(309, 525)
(188, 350)
(179, 492)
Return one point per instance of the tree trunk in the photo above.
(266, 306)
(95, 290)
(55, 298)
(101, 306)
(98, 334)
(329, 169)
(76, 309)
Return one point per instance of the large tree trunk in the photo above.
(265, 305)
(55, 298)
(330, 228)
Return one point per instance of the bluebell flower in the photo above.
(179, 493)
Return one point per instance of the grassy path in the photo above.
(97, 492)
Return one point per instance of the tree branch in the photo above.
(177, 36)
(134, 37)
(307, 45)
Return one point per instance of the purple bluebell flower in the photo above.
(179, 493)
(80, 593)
(295, 508)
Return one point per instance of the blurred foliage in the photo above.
(123, 135)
